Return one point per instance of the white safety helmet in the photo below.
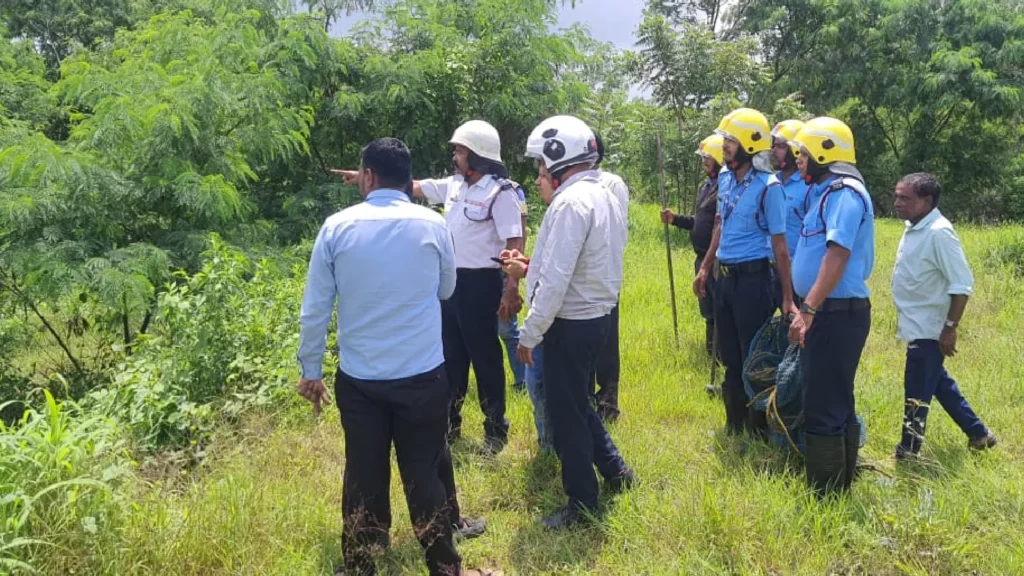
(562, 141)
(481, 138)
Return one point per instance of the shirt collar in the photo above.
(484, 182)
(796, 177)
(926, 221)
(594, 174)
(387, 193)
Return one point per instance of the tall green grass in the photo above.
(266, 500)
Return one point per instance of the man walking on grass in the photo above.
(387, 263)
(931, 283)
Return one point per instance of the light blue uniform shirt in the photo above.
(746, 228)
(848, 220)
(388, 263)
(796, 192)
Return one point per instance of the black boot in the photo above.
(852, 451)
(915, 416)
(757, 423)
(825, 461)
(735, 410)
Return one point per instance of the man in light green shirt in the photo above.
(931, 283)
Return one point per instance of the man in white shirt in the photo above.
(931, 283)
(573, 282)
(483, 213)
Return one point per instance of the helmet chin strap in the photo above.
(740, 159)
(814, 171)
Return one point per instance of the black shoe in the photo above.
(825, 461)
(469, 528)
(564, 518)
(619, 484)
(713, 390)
(852, 450)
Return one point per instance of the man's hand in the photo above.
(667, 216)
(525, 355)
(799, 327)
(352, 177)
(511, 304)
(947, 342)
(514, 264)
(700, 283)
(788, 310)
(315, 392)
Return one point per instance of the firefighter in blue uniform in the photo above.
(751, 228)
(784, 157)
(834, 259)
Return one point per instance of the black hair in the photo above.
(482, 165)
(390, 160)
(600, 148)
(924, 184)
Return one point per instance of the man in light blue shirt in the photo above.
(931, 283)
(750, 230)
(387, 263)
(833, 262)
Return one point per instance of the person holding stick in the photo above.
(751, 227)
(702, 226)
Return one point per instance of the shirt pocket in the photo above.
(747, 217)
(475, 211)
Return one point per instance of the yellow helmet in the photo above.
(749, 128)
(711, 147)
(826, 141)
(786, 131)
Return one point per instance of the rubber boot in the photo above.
(852, 451)
(825, 461)
(757, 423)
(735, 409)
(915, 417)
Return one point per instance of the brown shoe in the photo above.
(985, 442)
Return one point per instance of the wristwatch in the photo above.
(807, 309)
(952, 324)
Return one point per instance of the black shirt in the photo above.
(702, 224)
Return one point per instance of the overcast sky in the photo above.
(612, 21)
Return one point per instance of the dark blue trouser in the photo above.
(924, 378)
(832, 349)
(604, 381)
(743, 303)
(469, 331)
(581, 441)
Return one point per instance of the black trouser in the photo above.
(412, 413)
(707, 303)
(743, 303)
(470, 331)
(605, 379)
(571, 348)
(831, 353)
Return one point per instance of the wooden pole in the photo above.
(668, 242)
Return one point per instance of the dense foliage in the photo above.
(163, 161)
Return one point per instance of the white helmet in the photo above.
(562, 141)
(481, 138)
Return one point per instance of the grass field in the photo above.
(267, 498)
